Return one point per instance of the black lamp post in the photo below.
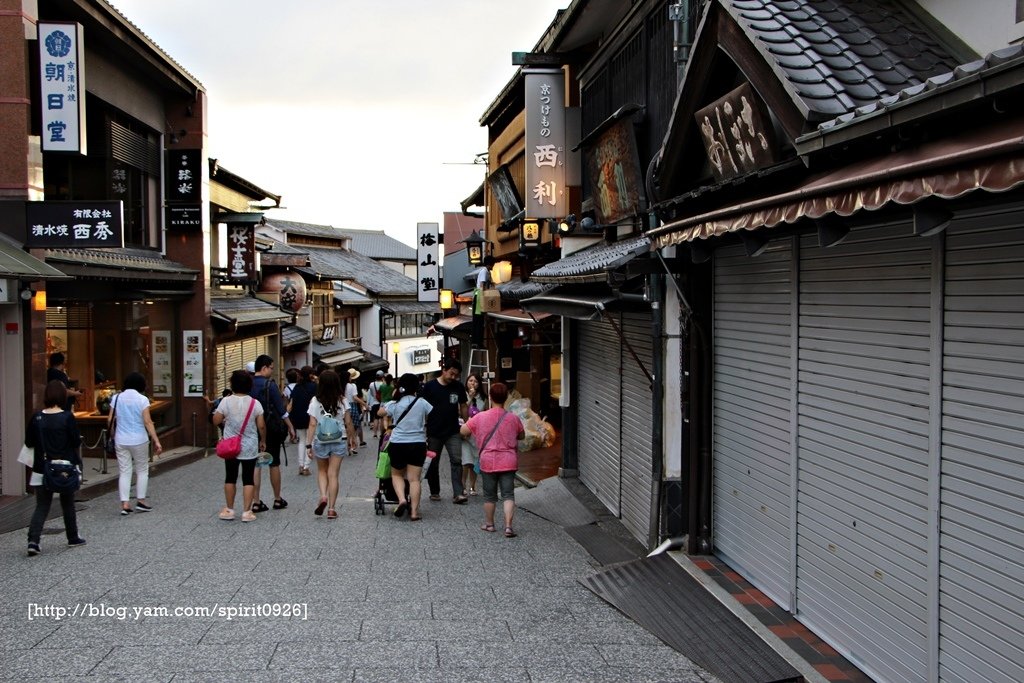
(475, 248)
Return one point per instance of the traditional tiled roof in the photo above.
(334, 263)
(410, 306)
(127, 263)
(293, 335)
(995, 61)
(379, 245)
(307, 229)
(247, 310)
(518, 290)
(836, 55)
(590, 264)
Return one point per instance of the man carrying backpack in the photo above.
(279, 428)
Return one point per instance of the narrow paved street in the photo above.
(381, 599)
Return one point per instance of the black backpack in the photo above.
(275, 423)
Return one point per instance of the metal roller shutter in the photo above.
(753, 378)
(234, 355)
(981, 576)
(863, 457)
(637, 425)
(597, 406)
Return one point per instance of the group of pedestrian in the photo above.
(319, 409)
(440, 415)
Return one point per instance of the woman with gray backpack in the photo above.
(331, 436)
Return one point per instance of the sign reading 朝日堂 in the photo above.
(74, 224)
(62, 87)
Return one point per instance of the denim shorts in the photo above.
(323, 451)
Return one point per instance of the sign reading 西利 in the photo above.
(545, 144)
(74, 224)
(428, 272)
(61, 86)
(184, 175)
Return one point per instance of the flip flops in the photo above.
(400, 510)
(489, 528)
(320, 507)
(509, 533)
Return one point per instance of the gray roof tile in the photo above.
(848, 54)
(334, 263)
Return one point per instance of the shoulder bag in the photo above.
(59, 476)
(275, 424)
(486, 441)
(109, 446)
(230, 446)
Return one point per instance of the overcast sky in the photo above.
(360, 113)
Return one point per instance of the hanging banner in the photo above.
(192, 362)
(428, 272)
(241, 253)
(161, 355)
(184, 175)
(545, 144)
(62, 86)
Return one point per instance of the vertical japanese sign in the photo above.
(62, 89)
(241, 253)
(161, 355)
(184, 175)
(545, 144)
(427, 270)
(192, 362)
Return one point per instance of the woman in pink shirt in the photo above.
(495, 432)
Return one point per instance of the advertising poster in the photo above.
(192, 362)
(162, 378)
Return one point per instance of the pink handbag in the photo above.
(230, 446)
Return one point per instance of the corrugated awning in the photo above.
(18, 263)
(576, 306)
(514, 315)
(336, 353)
(456, 323)
(990, 159)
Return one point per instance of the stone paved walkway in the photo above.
(382, 599)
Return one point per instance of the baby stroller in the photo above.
(385, 489)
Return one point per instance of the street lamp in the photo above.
(475, 244)
(447, 299)
(395, 347)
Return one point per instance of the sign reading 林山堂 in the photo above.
(428, 272)
(545, 143)
(73, 224)
(62, 88)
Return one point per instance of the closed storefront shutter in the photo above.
(751, 414)
(234, 355)
(637, 424)
(863, 456)
(597, 408)
(981, 573)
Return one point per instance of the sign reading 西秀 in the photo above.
(74, 224)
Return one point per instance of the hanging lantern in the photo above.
(290, 287)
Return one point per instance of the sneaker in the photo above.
(33, 549)
(142, 507)
(76, 542)
(227, 514)
(248, 516)
(125, 512)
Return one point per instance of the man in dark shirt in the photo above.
(263, 387)
(56, 372)
(448, 397)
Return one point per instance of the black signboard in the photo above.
(74, 224)
(184, 175)
(185, 217)
(420, 356)
(505, 193)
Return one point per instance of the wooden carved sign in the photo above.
(737, 133)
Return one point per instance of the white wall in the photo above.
(985, 25)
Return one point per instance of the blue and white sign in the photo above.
(62, 86)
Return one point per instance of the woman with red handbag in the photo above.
(242, 416)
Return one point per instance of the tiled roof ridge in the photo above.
(837, 55)
(949, 79)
